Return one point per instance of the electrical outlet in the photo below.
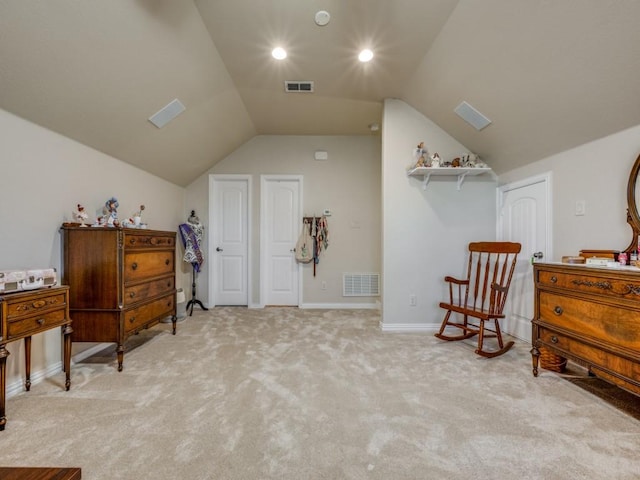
(581, 208)
(413, 301)
(324, 285)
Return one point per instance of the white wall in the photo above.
(598, 173)
(348, 184)
(425, 232)
(43, 176)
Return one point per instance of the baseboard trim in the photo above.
(17, 385)
(341, 306)
(410, 327)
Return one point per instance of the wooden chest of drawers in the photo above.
(122, 281)
(591, 315)
(23, 314)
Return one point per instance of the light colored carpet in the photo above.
(283, 393)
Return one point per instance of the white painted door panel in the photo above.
(281, 219)
(230, 241)
(523, 217)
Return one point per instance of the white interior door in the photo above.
(229, 210)
(524, 216)
(281, 222)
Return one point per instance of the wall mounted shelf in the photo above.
(460, 172)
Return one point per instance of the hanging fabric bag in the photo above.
(304, 247)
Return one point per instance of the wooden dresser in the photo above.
(40, 473)
(23, 314)
(122, 281)
(590, 315)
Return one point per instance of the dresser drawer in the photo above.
(17, 308)
(137, 318)
(591, 354)
(32, 325)
(150, 240)
(139, 266)
(609, 286)
(603, 322)
(143, 291)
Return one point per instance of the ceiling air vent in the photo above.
(298, 87)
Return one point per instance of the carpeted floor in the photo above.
(283, 393)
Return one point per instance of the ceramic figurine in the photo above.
(80, 215)
(421, 155)
(137, 216)
(111, 212)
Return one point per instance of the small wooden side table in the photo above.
(40, 473)
(23, 314)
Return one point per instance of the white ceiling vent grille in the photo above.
(167, 113)
(298, 86)
(360, 284)
(472, 116)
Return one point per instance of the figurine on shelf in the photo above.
(435, 160)
(421, 155)
(80, 215)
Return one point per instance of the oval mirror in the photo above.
(633, 200)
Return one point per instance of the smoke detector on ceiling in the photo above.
(322, 18)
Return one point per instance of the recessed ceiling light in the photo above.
(365, 55)
(279, 53)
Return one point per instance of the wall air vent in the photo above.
(360, 284)
(298, 86)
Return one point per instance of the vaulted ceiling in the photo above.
(549, 74)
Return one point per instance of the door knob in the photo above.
(536, 257)
(218, 249)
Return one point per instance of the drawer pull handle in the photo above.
(554, 279)
(132, 319)
(554, 339)
(134, 266)
(132, 294)
(558, 310)
(167, 261)
(132, 241)
(168, 284)
(40, 321)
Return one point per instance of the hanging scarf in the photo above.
(191, 238)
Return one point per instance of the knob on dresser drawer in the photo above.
(554, 279)
(558, 310)
(554, 339)
(134, 266)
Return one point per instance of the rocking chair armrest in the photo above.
(495, 286)
(457, 281)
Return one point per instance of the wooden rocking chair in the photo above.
(481, 295)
